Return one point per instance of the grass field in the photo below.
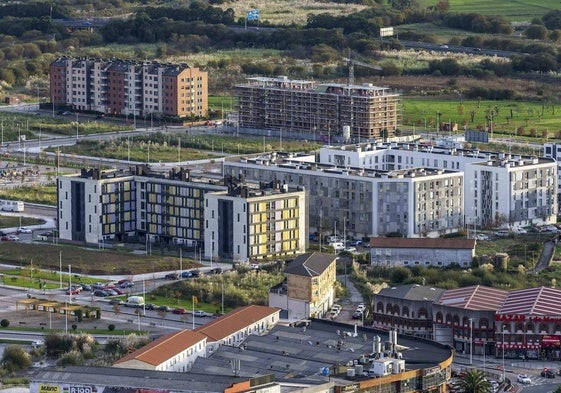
(510, 9)
(523, 118)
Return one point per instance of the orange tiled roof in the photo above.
(235, 321)
(164, 348)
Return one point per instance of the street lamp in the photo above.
(471, 341)
(503, 331)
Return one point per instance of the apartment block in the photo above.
(261, 222)
(137, 205)
(414, 202)
(499, 189)
(322, 110)
(129, 88)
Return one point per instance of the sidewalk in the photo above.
(516, 366)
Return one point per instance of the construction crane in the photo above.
(351, 64)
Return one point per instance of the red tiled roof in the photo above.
(426, 242)
(164, 348)
(533, 301)
(235, 321)
(475, 297)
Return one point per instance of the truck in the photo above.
(134, 301)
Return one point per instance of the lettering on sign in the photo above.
(49, 389)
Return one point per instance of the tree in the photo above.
(536, 32)
(473, 381)
(15, 358)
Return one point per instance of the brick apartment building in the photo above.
(129, 88)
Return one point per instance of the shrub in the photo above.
(15, 358)
(4, 323)
(74, 327)
(111, 327)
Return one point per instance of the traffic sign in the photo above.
(253, 15)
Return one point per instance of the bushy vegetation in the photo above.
(243, 287)
(15, 358)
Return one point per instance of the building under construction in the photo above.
(360, 112)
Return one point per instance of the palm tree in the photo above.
(473, 381)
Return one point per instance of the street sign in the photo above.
(253, 15)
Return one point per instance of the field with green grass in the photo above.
(164, 147)
(516, 10)
(516, 118)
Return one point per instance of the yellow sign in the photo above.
(49, 389)
(195, 300)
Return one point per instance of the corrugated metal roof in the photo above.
(408, 242)
(476, 297)
(235, 321)
(164, 348)
(532, 301)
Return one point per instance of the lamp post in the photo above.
(471, 341)
(503, 331)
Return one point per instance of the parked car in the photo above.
(117, 302)
(172, 276)
(216, 270)
(199, 313)
(111, 292)
(24, 230)
(350, 249)
(357, 314)
(502, 233)
(523, 378)
(520, 231)
(72, 291)
(86, 287)
(13, 238)
(547, 373)
(4, 239)
(179, 310)
(481, 236)
(119, 292)
(195, 273)
(356, 243)
(126, 284)
(98, 285)
(150, 306)
(100, 293)
(164, 308)
(186, 274)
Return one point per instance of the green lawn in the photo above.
(523, 118)
(512, 10)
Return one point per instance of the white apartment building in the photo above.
(553, 150)
(156, 207)
(499, 189)
(364, 202)
(245, 223)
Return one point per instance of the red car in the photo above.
(179, 310)
(5, 239)
(73, 291)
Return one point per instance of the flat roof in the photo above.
(299, 352)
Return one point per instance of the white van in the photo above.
(333, 239)
(135, 301)
(337, 246)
